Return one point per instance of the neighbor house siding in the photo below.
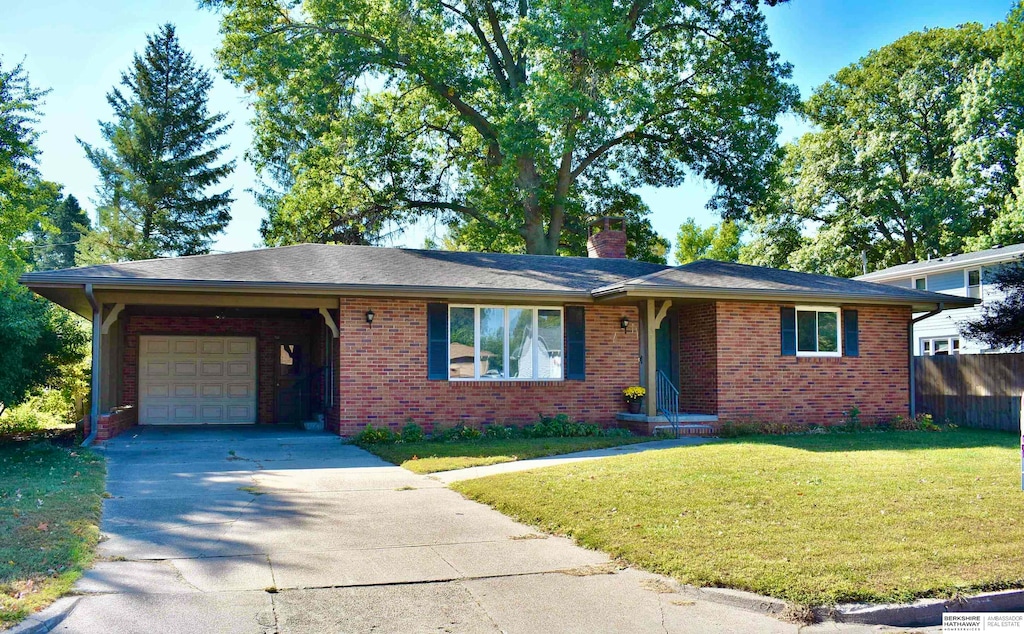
(698, 358)
(755, 382)
(267, 332)
(383, 374)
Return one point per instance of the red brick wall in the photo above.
(383, 374)
(112, 423)
(266, 331)
(698, 358)
(755, 382)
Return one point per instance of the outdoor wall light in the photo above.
(369, 317)
(624, 322)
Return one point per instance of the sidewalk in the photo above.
(456, 475)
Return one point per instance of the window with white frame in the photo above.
(504, 342)
(817, 332)
(973, 281)
(940, 346)
(921, 283)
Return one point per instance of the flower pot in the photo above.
(634, 406)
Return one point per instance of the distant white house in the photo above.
(966, 275)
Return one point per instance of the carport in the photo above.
(175, 356)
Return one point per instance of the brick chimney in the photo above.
(607, 238)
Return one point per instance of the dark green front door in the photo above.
(665, 350)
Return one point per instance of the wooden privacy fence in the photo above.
(973, 390)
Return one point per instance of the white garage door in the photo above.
(196, 380)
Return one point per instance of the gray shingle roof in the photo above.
(339, 266)
(742, 279)
(336, 268)
(995, 254)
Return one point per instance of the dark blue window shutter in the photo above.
(575, 343)
(851, 333)
(437, 342)
(788, 318)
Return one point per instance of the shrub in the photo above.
(922, 422)
(500, 432)
(375, 436)
(851, 420)
(412, 433)
(616, 432)
(468, 433)
(23, 420)
(925, 422)
(732, 429)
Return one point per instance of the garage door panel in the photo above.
(195, 380)
(239, 368)
(212, 346)
(185, 368)
(185, 345)
(213, 390)
(156, 345)
(241, 347)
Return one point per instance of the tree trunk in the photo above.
(538, 242)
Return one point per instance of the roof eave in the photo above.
(918, 304)
(290, 288)
(938, 267)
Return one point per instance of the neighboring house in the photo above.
(967, 275)
(378, 335)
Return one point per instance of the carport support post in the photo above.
(97, 333)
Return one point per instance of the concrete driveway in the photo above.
(256, 530)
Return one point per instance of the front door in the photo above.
(293, 386)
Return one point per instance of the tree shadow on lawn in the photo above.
(890, 440)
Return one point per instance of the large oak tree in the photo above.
(516, 117)
(877, 174)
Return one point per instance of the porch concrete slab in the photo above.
(360, 567)
(416, 609)
(518, 556)
(147, 577)
(199, 613)
(218, 574)
(447, 477)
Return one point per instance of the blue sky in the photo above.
(79, 49)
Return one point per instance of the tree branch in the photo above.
(499, 72)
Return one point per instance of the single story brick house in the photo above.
(363, 334)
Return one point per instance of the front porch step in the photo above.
(689, 424)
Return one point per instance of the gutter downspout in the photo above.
(910, 355)
(94, 408)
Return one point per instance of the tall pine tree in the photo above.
(162, 158)
(55, 237)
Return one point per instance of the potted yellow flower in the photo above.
(634, 395)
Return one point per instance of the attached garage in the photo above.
(190, 380)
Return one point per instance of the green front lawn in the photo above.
(50, 501)
(813, 519)
(430, 456)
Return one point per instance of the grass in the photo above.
(49, 511)
(431, 456)
(813, 519)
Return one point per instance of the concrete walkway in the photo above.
(259, 531)
(448, 477)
